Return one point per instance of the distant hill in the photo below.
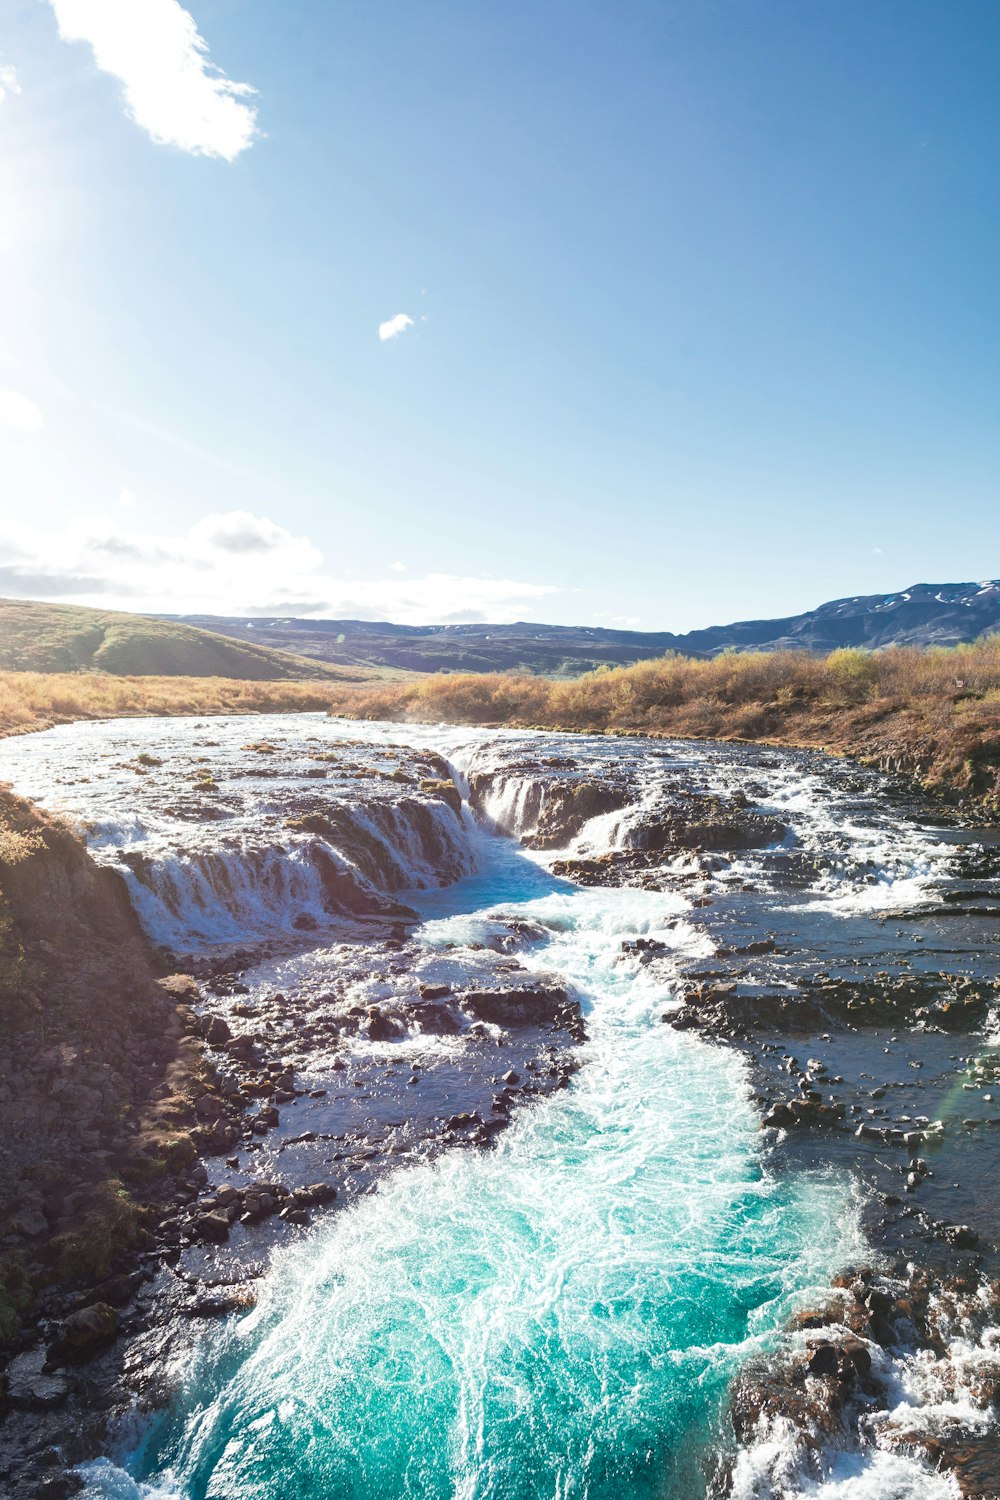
(67, 638)
(924, 615)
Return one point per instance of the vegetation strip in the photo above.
(933, 715)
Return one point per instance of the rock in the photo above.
(213, 1227)
(208, 1107)
(435, 991)
(119, 1290)
(215, 1305)
(29, 1222)
(242, 1049)
(28, 1385)
(294, 1216)
(962, 1236)
(526, 1005)
(316, 1192)
(382, 1028)
(221, 1139)
(85, 1332)
(437, 1020)
(857, 1353)
(182, 988)
(215, 1031)
(447, 791)
(58, 1486)
(561, 807)
(823, 1360)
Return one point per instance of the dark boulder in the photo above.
(85, 1332)
(824, 1361)
(215, 1031)
(437, 1020)
(381, 1027)
(212, 1227)
(857, 1355)
(527, 1005)
(568, 806)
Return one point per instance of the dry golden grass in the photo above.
(37, 700)
(933, 713)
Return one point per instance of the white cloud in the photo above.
(126, 498)
(393, 327)
(240, 533)
(17, 411)
(8, 82)
(398, 567)
(172, 89)
(240, 564)
(876, 552)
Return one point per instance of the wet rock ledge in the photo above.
(833, 1384)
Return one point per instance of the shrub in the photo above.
(15, 1296)
(852, 673)
(110, 1224)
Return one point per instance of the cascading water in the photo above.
(279, 835)
(560, 1317)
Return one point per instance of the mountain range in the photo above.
(925, 614)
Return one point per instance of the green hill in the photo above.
(67, 638)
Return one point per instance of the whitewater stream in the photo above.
(559, 1317)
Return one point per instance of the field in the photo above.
(37, 700)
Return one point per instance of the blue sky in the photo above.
(703, 295)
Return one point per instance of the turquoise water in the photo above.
(555, 1318)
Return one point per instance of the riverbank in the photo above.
(932, 715)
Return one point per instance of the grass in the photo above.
(932, 713)
(109, 1223)
(19, 974)
(37, 700)
(38, 637)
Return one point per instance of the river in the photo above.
(560, 1317)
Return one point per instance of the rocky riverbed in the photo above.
(338, 1022)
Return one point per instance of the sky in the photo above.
(644, 313)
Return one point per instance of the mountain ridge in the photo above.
(944, 614)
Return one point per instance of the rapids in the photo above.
(558, 1318)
